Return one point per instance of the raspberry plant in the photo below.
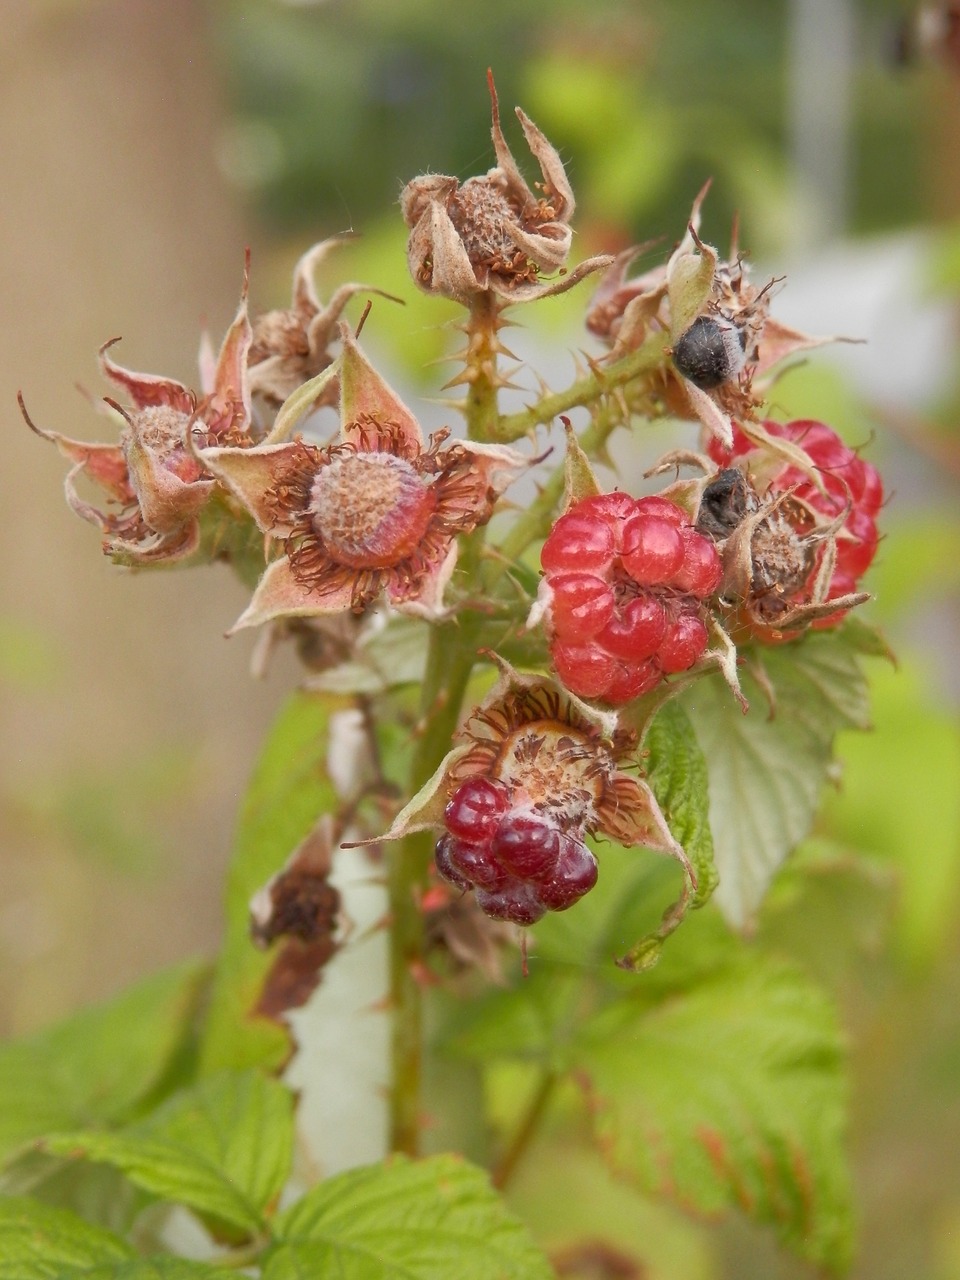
(580, 722)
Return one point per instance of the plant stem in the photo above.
(584, 391)
(481, 409)
(450, 660)
(525, 1131)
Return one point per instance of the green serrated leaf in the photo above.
(95, 1067)
(677, 774)
(41, 1243)
(766, 771)
(289, 791)
(405, 1220)
(222, 1148)
(731, 1095)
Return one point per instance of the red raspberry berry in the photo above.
(580, 541)
(652, 549)
(476, 865)
(632, 681)
(613, 508)
(701, 569)
(636, 632)
(474, 810)
(585, 669)
(663, 509)
(527, 846)
(684, 643)
(582, 605)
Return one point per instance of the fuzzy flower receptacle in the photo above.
(374, 515)
(153, 480)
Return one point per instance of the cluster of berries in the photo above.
(625, 579)
(519, 863)
(847, 480)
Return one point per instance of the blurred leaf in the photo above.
(97, 1066)
(40, 1243)
(404, 1220)
(287, 794)
(730, 1095)
(832, 908)
(900, 801)
(222, 1148)
(767, 771)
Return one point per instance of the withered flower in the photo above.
(154, 482)
(291, 346)
(725, 342)
(493, 232)
(375, 514)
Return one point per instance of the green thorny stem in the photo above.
(450, 659)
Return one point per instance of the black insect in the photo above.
(724, 503)
(710, 352)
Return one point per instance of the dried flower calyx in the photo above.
(794, 542)
(376, 514)
(723, 337)
(291, 346)
(494, 232)
(153, 480)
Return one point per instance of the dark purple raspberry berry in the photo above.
(526, 846)
(518, 902)
(475, 809)
(445, 866)
(475, 863)
(575, 875)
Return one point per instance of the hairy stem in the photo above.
(450, 660)
(585, 391)
(481, 374)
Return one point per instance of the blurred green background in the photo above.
(145, 145)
